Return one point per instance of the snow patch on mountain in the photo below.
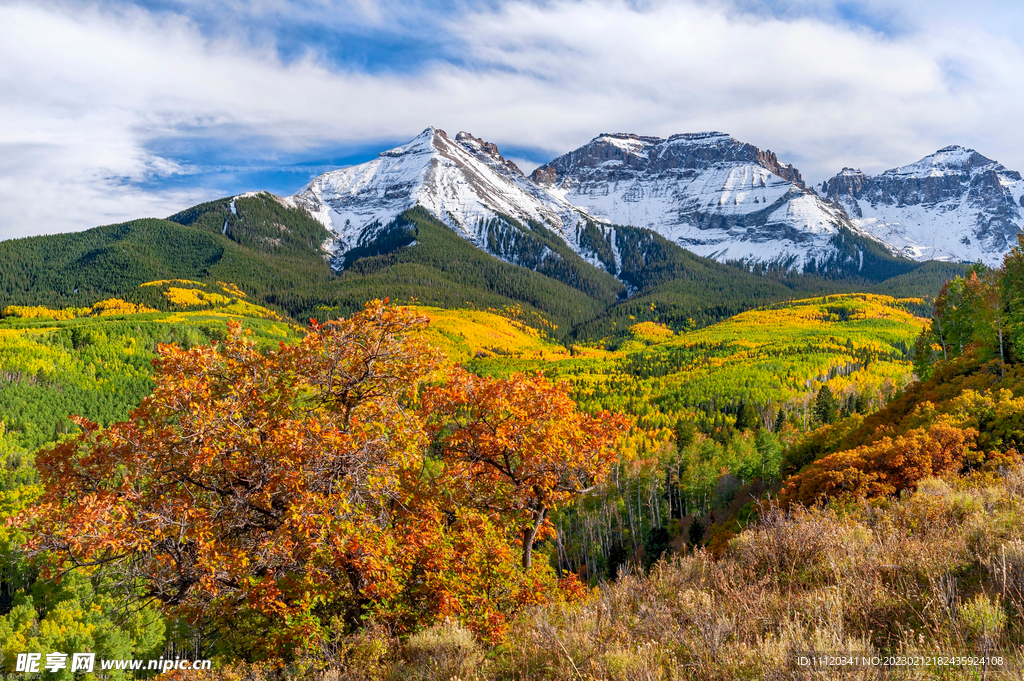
(462, 182)
(708, 192)
(954, 205)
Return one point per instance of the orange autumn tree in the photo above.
(255, 486)
(271, 498)
(887, 466)
(519, 447)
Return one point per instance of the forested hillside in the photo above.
(74, 270)
(277, 254)
(812, 398)
(97, 361)
(435, 476)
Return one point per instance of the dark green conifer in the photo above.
(685, 432)
(746, 417)
(826, 409)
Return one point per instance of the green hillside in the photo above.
(99, 365)
(276, 254)
(440, 268)
(81, 268)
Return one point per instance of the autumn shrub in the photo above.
(933, 487)
(518, 448)
(887, 466)
(793, 546)
(983, 621)
(270, 498)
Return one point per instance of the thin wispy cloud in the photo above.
(139, 109)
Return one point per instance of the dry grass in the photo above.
(937, 572)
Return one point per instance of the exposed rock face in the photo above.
(708, 192)
(616, 152)
(850, 184)
(953, 205)
(463, 182)
(487, 150)
(786, 172)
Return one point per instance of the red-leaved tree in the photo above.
(519, 447)
(273, 497)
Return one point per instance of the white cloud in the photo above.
(822, 94)
(86, 91)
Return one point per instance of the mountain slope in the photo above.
(273, 252)
(953, 205)
(465, 183)
(707, 192)
(287, 272)
(438, 267)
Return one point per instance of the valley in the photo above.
(440, 398)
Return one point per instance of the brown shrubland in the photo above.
(936, 571)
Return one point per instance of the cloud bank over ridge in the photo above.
(123, 110)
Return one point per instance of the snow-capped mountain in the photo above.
(707, 192)
(464, 182)
(954, 205)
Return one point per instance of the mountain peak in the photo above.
(954, 204)
(421, 143)
(705, 137)
(611, 153)
(463, 182)
(691, 137)
(951, 159)
(706, 191)
(627, 136)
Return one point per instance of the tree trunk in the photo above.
(530, 535)
(1002, 358)
(942, 337)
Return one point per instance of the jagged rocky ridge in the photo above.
(953, 205)
(464, 182)
(706, 192)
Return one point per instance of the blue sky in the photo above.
(119, 109)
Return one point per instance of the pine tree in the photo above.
(825, 408)
(685, 431)
(746, 417)
(695, 533)
(780, 420)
